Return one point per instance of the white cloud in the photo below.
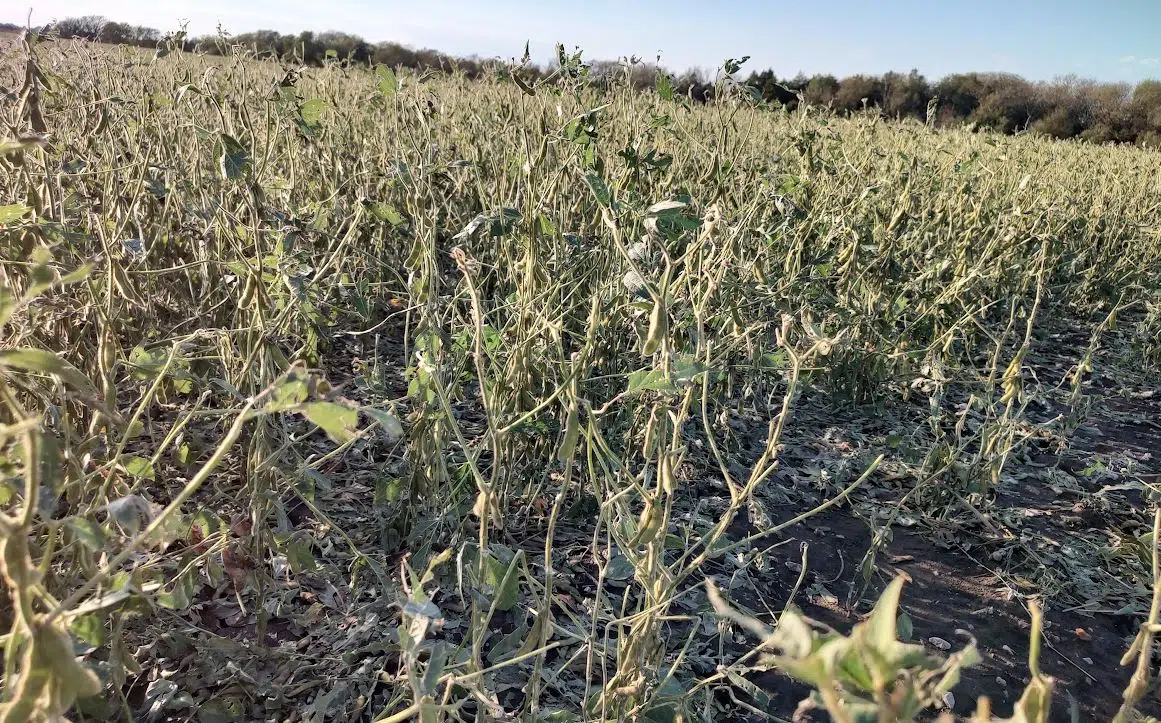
(1147, 62)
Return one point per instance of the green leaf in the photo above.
(546, 226)
(13, 212)
(234, 160)
(388, 421)
(288, 394)
(388, 84)
(312, 111)
(207, 523)
(644, 380)
(297, 548)
(777, 359)
(88, 533)
(90, 629)
(339, 422)
(387, 212)
(504, 581)
(46, 362)
(172, 527)
(147, 364)
(388, 490)
(600, 189)
(138, 467)
(686, 369)
(904, 627)
(181, 594)
(664, 86)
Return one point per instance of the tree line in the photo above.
(1069, 107)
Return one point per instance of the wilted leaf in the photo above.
(54, 651)
(619, 568)
(130, 512)
(523, 84)
(134, 247)
(882, 624)
(21, 143)
(422, 609)
(662, 207)
(793, 635)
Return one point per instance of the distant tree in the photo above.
(857, 91)
(1145, 111)
(1063, 108)
(344, 46)
(905, 95)
(959, 94)
(1106, 113)
(116, 33)
(1009, 103)
(308, 49)
(692, 83)
(638, 75)
(87, 27)
(1150, 139)
(264, 42)
(146, 36)
(821, 90)
(1060, 122)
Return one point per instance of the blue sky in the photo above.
(1040, 39)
